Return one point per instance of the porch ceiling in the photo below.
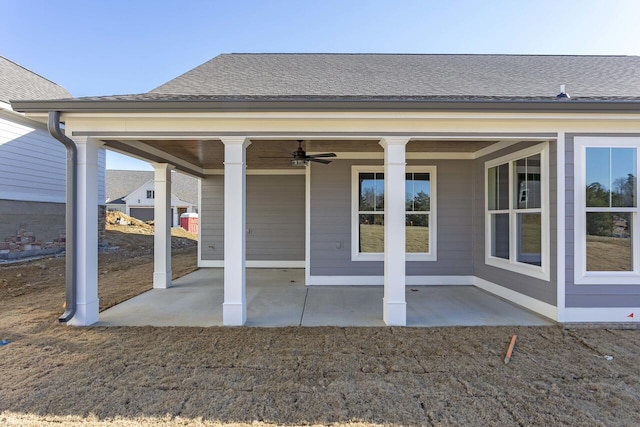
(271, 154)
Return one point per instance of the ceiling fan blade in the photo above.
(324, 162)
(324, 155)
(278, 157)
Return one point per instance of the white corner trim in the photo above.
(525, 301)
(602, 314)
(254, 264)
(560, 225)
(200, 224)
(307, 223)
(379, 280)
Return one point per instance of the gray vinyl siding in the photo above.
(331, 221)
(588, 295)
(536, 288)
(275, 218)
(211, 218)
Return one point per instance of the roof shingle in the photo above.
(401, 76)
(16, 83)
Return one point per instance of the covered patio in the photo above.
(279, 298)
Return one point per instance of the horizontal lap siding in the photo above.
(331, 221)
(275, 218)
(212, 218)
(454, 180)
(535, 288)
(588, 295)
(32, 164)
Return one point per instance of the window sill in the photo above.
(608, 278)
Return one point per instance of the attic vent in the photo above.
(563, 94)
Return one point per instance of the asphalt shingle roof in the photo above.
(120, 183)
(16, 83)
(402, 76)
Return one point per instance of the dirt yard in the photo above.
(52, 374)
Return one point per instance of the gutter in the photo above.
(554, 105)
(71, 222)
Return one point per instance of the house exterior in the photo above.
(450, 170)
(133, 193)
(32, 163)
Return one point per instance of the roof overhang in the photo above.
(332, 104)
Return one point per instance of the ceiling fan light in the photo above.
(299, 162)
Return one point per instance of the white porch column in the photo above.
(87, 239)
(394, 302)
(162, 226)
(234, 309)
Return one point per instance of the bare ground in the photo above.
(52, 374)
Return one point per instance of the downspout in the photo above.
(71, 223)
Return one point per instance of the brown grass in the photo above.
(55, 375)
(608, 254)
(372, 238)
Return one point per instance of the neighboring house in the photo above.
(449, 170)
(32, 163)
(133, 192)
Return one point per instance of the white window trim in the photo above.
(581, 275)
(355, 229)
(539, 272)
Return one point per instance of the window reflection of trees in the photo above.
(611, 224)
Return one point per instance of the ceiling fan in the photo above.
(300, 157)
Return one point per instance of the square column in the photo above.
(234, 309)
(394, 302)
(86, 273)
(162, 226)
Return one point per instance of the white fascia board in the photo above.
(377, 115)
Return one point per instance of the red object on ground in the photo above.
(189, 221)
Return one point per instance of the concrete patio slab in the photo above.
(278, 297)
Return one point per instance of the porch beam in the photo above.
(162, 226)
(394, 302)
(86, 272)
(234, 308)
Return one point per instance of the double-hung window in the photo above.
(368, 220)
(606, 210)
(517, 213)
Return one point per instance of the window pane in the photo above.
(529, 229)
(609, 245)
(498, 187)
(371, 232)
(500, 235)
(371, 189)
(623, 177)
(417, 233)
(379, 192)
(417, 192)
(611, 177)
(527, 182)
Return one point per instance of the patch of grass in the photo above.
(372, 238)
(609, 254)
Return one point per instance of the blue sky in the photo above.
(94, 47)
